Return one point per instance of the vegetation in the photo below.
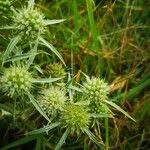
(74, 74)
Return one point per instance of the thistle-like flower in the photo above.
(5, 6)
(75, 118)
(29, 23)
(95, 90)
(16, 81)
(96, 108)
(52, 100)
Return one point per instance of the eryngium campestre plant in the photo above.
(52, 100)
(5, 6)
(75, 118)
(95, 90)
(16, 81)
(29, 23)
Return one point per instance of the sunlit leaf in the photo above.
(49, 22)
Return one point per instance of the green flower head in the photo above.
(95, 90)
(29, 23)
(52, 99)
(55, 70)
(98, 108)
(76, 118)
(16, 81)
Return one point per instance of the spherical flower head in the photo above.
(98, 108)
(29, 23)
(75, 118)
(95, 90)
(16, 81)
(5, 6)
(52, 99)
(55, 70)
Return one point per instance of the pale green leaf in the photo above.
(93, 138)
(46, 80)
(44, 129)
(119, 109)
(55, 21)
(11, 47)
(37, 106)
(52, 48)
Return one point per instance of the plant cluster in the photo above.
(44, 100)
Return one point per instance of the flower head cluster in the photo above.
(29, 22)
(75, 118)
(16, 81)
(55, 70)
(98, 108)
(52, 99)
(5, 6)
(95, 90)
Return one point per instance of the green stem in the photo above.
(106, 133)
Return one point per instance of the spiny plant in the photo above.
(72, 120)
(52, 100)
(28, 26)
(16, 81)
(75, 118)
(95, 91)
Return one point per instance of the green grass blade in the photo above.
(136, 90)
(90, 10)
(75, 14)
(52, 48)
(21, 141)
(62, 140)
(119, 109)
